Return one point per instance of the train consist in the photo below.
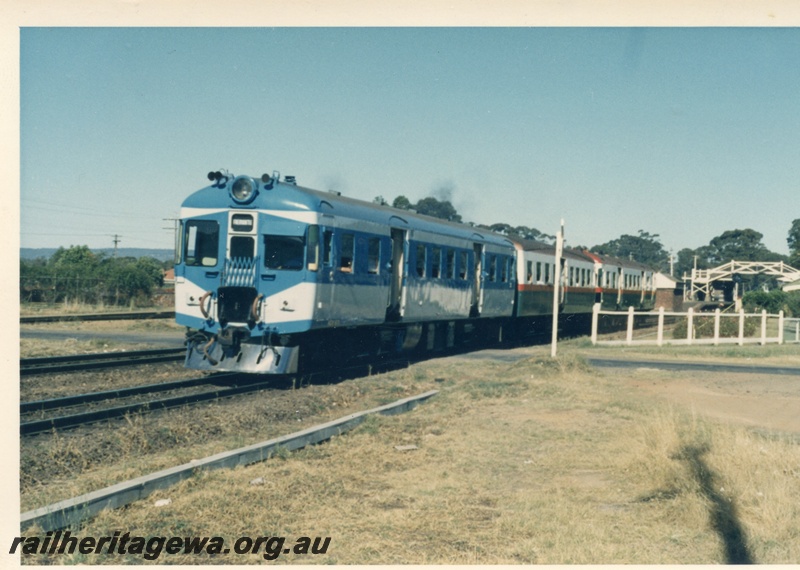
(274, 278)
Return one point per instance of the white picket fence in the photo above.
(788, 330)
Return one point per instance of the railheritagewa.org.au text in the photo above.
(151, 548)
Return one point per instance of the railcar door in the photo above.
(325, 284)
(394, 308)
(477, 286)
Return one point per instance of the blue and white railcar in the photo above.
(270, 273)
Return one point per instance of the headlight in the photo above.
(243, 189)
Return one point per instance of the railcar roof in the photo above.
(538, 246)
(629, 263)
(285, 196)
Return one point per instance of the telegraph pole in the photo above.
(556, 291)
(116, 241)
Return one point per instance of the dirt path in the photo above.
(757, 400)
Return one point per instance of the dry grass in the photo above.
(49, 386)
(756, 355)
(108, 336)
(528, 462)
(78, 308)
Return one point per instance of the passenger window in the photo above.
(420, 264)
(373, 256)
(462, 266)
(529, 272)
(312, 250)
(436, 262)
(492, 268)
(450, 264)
(327, 247)
(347, 258)
(504, 269)
(201, 239)
(283, 252)
(242, 246)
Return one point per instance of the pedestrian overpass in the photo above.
(701, 282)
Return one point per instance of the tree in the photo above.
(73, 273)
(153, 268)
(519, 232)
(739, 245)
(127, 279)
(442, 209)
(402, 203)
(34, 280)
(644, 248)
(684, 261)
(794, 236)
(794, 243)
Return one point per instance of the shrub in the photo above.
(703, 326)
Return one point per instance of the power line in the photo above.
(79, 210)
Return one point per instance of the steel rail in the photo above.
(98, 317)
(71, 512)
(77, 363)
(39, 426)
(118, 394)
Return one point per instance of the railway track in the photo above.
(238, 384)
(83, 362)
(138, 315)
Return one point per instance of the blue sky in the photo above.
(681, 132)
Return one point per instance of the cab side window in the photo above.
(201, 240)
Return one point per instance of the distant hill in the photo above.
(46, 252)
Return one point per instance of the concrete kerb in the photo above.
(72, 511)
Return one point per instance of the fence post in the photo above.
(780, 326)
(661, 326)
(689, 325)
(716, 327)
(629, 338)
(763, 327)
(595, 319)
(741, 327)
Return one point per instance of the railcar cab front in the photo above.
(233, 251)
